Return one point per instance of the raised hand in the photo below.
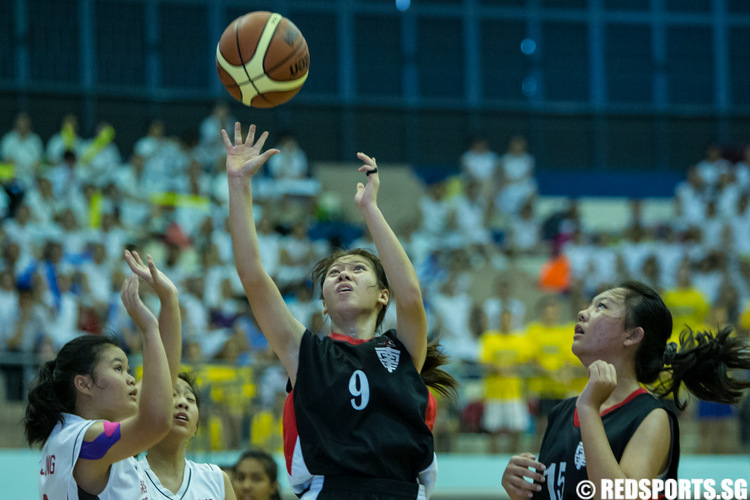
(367, 194)
(602, 382)
(143, 318)
(149, 273)
(515, 474)
(245, 158)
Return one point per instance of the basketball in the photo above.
(262, 59)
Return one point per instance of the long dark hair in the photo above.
(701, 361)
(52, 392)
(268, 464)
(432, 375)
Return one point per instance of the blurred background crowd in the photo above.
(503, 279)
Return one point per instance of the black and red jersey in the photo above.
(359, 412)
(562, 449)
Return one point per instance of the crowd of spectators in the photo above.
(70, 206)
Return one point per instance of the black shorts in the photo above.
(366, 488)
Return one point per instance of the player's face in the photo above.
(185, 413)
(113, 386)
(351, 282)
(251, 482)
(601, 327)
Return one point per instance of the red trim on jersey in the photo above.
(431, 413)
(348, 339)
(633, 394)
(289, 430)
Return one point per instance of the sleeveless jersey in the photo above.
(199, 482)
(359, 420)
(562, 449)
(59, 457)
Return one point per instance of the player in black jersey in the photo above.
(357, 424)
(615, 428)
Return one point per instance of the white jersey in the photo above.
(199, 482)
(60, 454)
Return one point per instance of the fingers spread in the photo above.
(237, 133)
(250, 135)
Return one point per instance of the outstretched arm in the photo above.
(120, 440)
(282, 331)
(410, 313)
(170, 321)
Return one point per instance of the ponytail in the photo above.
(435, 377)
(703, 363)
(52, 392)
(45, 405)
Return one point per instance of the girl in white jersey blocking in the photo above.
(170, 474)
(84, 406)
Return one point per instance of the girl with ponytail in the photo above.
(84, 409)
(358, 419)
(615, 428)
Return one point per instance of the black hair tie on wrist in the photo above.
(373, 171)
(670, 351)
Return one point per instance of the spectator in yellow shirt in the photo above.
(504, 355)
(553, 360)
(688, 305)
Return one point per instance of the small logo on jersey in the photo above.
(388, 356)
(580, 458)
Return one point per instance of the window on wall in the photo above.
(627, 4)
(564, 4)
(702, 6)
(566, 142)
(738, 6)
(631, 142)
(503, 3)
(690, 70)
(503, 65)
(439, 139)
(321, 34)
(377, 61)
(739, 65)
(440, 58)
(119, 31)
(7, 39)
(187, 57)
(565, 59)
(738, 136)
(500, 126)
(387, 142)
(54, 44)
(627, 56)
(687, 140)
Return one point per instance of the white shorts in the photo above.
(508, 416)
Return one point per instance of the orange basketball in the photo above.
(262, 59)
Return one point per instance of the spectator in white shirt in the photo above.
(66, 139)
(712, 165)
(691, 196)
(479, 164)
(516, 181)
(24, 149)
(501, 300)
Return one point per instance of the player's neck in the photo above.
(168, 457)
(357, 326)
(626, 384)
(168, 465)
